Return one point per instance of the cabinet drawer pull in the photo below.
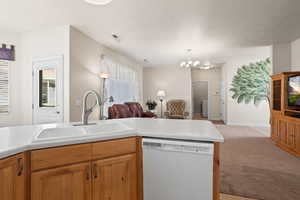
(95, 171)
(88, 172)
(20, 166)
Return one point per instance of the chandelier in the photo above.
(196, 64)
(190, 63)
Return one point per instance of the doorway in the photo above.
(48, 90)
(200, 99)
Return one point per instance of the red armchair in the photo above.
(128, 110)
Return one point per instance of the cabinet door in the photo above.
(275, 131)
(291, 131)
(65, 183)
(297, 139)
(283, 132)
(12, 178)
(115, 178)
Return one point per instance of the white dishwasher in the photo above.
(177, 170)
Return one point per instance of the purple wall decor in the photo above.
(7, 53)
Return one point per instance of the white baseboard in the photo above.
(248, 124)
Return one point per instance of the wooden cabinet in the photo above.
(274, 129)
(109, 179)
(293, 141)
(12, 178)
(113, 148)
(107, 171)
(291, 131)
(283, 131)
(285, 127)
(63, 183)
(115, 178)
(59, 156)
(286, 134)
(297, 139)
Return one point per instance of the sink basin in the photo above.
(90, 124)
(106, 128)
(58, 133)
(80, 131)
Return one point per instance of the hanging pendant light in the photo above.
(190, 62)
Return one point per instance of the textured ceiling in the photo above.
(162, 30)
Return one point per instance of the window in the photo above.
(4, 88)
(121, 90)
(47, 87)
(122, 83)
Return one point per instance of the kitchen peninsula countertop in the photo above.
(14, 140)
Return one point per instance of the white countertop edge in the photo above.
(37, 146)
(176, 137)
(4, 153)
(60, 143)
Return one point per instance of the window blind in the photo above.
(4, 88)
(122, 83)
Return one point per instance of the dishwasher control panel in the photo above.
(178, 145)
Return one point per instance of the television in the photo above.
(294, 92)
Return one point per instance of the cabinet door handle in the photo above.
(95, 171)
(291, 135)
(20, 166)
(88, 172)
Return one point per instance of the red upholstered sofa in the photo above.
(128, 110)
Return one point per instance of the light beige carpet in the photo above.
(252, 166)
(230, 197)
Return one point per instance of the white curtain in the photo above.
(122, 83)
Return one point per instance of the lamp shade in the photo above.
(161, 93)
(103, 75)
(98, 2)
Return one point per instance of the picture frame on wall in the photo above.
(7, 52)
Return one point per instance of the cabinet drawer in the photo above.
(47, 158)
(113, 148)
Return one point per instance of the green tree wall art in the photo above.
(252, 83)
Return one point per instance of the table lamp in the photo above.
(161, 94)
(103, 76)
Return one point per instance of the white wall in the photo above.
(223, 91)
(242, 114)
(281, 57)
(85, 67)
(199, 95)
(13, 117)
(173, 79)
(214, 79)
(43, 43)
(295, 55)
(81, 62)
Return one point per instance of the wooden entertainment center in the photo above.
(285, 123)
